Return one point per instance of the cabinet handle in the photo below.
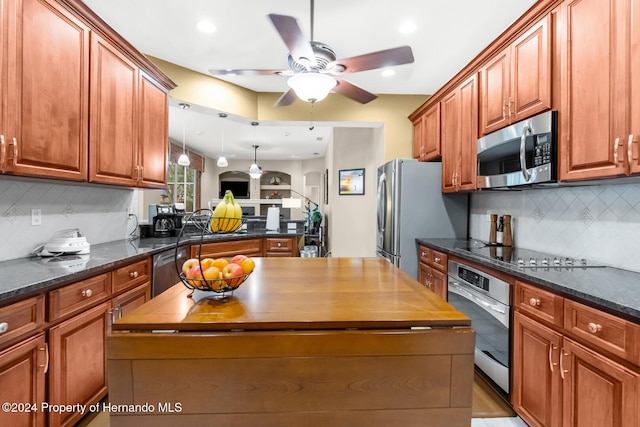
(594, 328)
(133, 274)
(504, 110)
(629, 153)
(279, 244)
(562, 370)
(140, 169)
(15, 151)
(3, 150)
(510, 102)
(534, 302)
(616, 143)
(423, 254)
(429, 280)
(4, 327)
(437, 259)
(87, 293)
(551, 364)
(46, 357)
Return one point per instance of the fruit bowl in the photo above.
(220, 285)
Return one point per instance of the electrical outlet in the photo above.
(36, 216)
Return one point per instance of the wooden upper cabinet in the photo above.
(426, 136)
(633, 140)
(595, 77)
(113, 126)
(46, 96)
(516, 83)
(459, 134)
(153, 139)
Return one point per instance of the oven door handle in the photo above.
(458, 289)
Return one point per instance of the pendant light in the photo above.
(255, 171)
(183, 160)
(222, 160)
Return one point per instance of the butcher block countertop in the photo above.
(302, 293)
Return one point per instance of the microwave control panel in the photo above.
(542, 149)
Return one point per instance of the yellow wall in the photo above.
(391, 110)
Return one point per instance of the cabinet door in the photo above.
(439, 283)
(78, 370)
(633, 141)
(593, 78)
(531, 72)
(536, 382)
(597, 392)
(113, 125)
(424, 275)
(46, 131)
(468, 134)
(22, 376)
(417, 139)
(153, 137)
(450, 140)
(129, 301)
(431, 149)
(494, 92)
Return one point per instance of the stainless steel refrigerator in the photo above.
(411, 205)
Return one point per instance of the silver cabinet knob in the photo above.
(87, 293)
(4, 327)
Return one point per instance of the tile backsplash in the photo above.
(99, 212)
(600, 222)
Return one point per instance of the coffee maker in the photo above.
(166, 222)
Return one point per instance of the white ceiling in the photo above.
(448, 35)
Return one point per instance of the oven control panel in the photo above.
(473, 278)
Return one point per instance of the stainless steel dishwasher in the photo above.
(164, 269)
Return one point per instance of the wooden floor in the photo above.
(486, 404)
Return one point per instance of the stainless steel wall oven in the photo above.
(486, 300)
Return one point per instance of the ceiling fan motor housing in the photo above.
(323, 53)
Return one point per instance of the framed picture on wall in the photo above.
(351, 182)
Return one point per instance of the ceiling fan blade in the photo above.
(369, 61)
(298, 45)
(231, 72)
(286, 98)
(354, 92)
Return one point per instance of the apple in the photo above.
(189, 264)
(193, 274)
(248, 265)
(238, 259)
(233, 272)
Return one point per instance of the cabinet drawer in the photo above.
(538, 303)
(424, 254)
(21, 318)
(78, 296)
(128, 276)
(248, 247)
(279, 245)
(438, 260)
(603, 330)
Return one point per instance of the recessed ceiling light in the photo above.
(205, 26)
(388, 73)
(407, 27)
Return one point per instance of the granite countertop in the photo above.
(26, 276)
(612, 289)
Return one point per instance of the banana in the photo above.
(227, 214)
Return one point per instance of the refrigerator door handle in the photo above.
(382, 201)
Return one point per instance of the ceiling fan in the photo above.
(314, 67)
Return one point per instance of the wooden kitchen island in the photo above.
(303, 342)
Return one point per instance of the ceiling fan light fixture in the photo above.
(255, 171)
(312, 87)
(183, 160)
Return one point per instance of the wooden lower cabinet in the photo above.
(131, 300)
(22, 382)
(559, 382)
(77, 366)
(433, 279)
(536, 388)
(280, 246)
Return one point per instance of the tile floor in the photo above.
(498, 422)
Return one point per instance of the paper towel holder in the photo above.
(273, 219)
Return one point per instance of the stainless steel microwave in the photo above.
(520, 154)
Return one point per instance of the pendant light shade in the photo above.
(312, 87)
(255, 171)
(183, 160)
(222, 160)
